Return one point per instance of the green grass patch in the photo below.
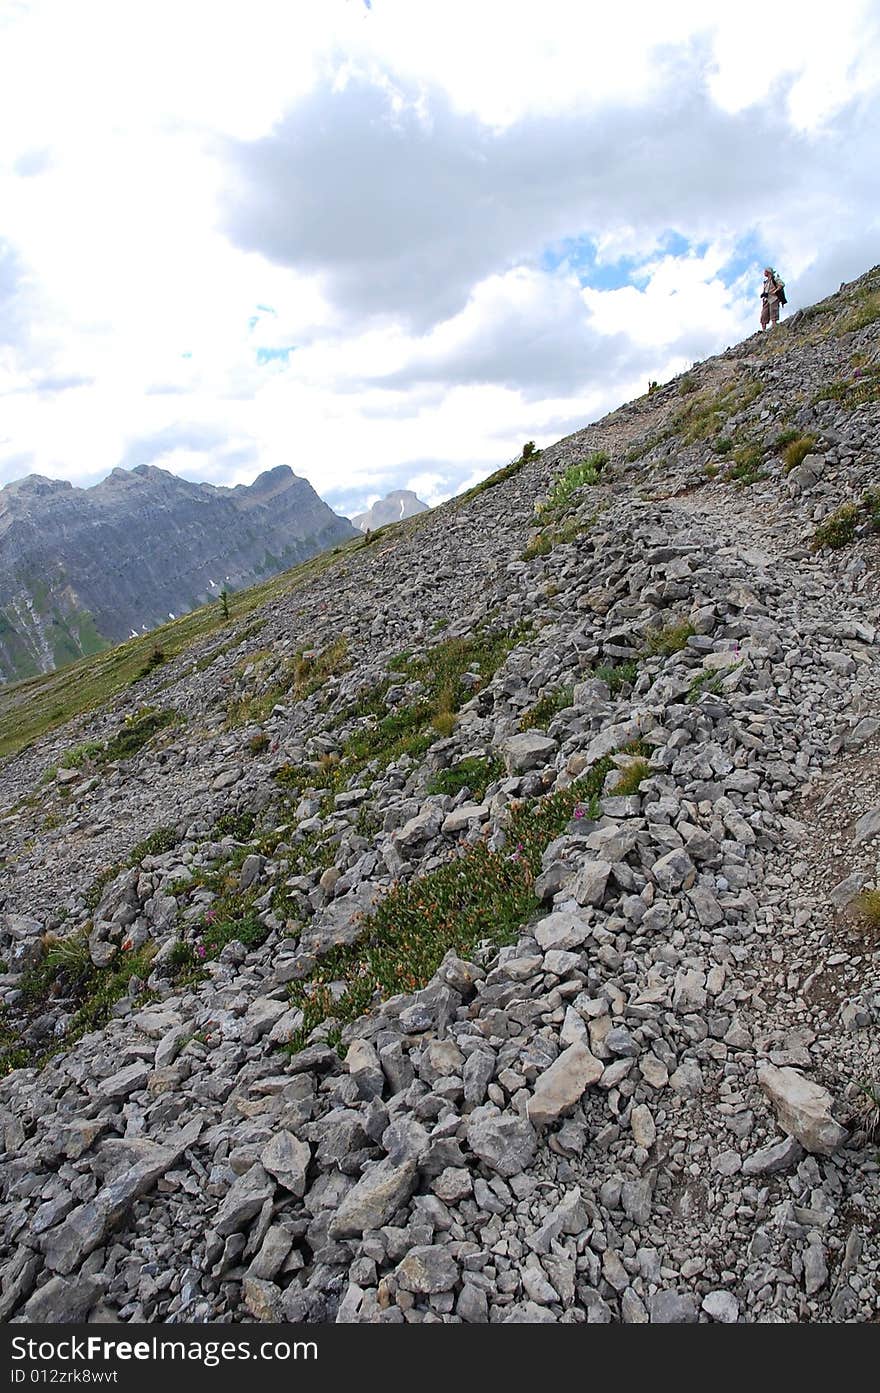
(409, 730)
(67, 971)
(785, 438)
(632, 778)
(840, 527)
(865, 311)
(305, 674)
(156, 844)
(867, 908)
(77, 757)
(670, 639)
(543, 711)
(541, 545)
(139, 728)
(576, 477)
(796, 451)
(746, 468)
(474, 774)
(616, 676)
(476, 896)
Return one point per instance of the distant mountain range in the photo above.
(399, 504)
(83, 568)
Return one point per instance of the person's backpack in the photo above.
(780, 292)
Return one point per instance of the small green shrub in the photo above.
(75, 758)
(543, 711)
(786, 437)
(155, 659)
(576, 477)
(238, 825)
(475, 774)
(139, 727)
(540, 546)
(796, 451)
(746, 468)
(632, 778)
(723, 445)
(156, 844)
(839, 529)
(618, 676)
(670, 639)
(867, 908)
(259, 743)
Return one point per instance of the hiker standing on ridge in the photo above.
(772, 296)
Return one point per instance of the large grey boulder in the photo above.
(527, 751)
(381, 1190)
(803, 1109)
(503, 1142)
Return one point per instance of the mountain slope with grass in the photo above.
(83, 568)
(481, 924)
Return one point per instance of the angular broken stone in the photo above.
(527, 751)
(427, 1269)
(562, 930)
(504, 1143)
(381, 1190)
(769, 1160)
(244, 1199)
(561, 1086)
(803, 1109)
(591, 882)
(674, 871)
(287, 1158)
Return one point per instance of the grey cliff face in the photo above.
(80, 568)
(394, 507)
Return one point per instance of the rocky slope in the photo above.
(492, 935)
(82, 567)
(394, 507)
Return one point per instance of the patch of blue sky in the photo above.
(750, 254)
(272, 355)
(578, 254)
(254, 319)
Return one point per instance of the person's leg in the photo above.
(774, 311)
(765, 314)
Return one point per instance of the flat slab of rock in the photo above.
(341, 923)
(528, 751)
(868, 826)
(381, 1190)
(562, 930)
(563, 1085)
(460, 819)
(125, 1081)
(778, 1156)
(803, 1109)
(244, 1199)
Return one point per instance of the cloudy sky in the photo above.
(385, 243)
